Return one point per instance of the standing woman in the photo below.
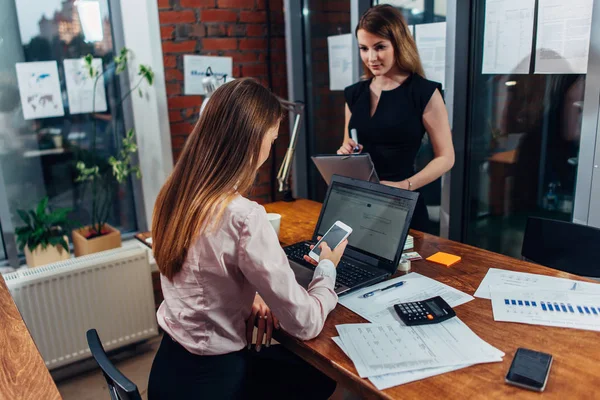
(216, 250)
(393, 107)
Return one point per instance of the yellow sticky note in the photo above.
(444, 258)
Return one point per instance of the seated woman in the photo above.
(216, 252)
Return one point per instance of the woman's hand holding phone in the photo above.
(327, 254)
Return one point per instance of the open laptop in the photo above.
(379, 216)
(358, 166)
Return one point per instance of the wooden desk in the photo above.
(575, 372)
(23, 374)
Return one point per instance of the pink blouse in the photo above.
(206, 306)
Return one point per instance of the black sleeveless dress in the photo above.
(392, 136)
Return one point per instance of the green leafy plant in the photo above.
(43, 227)
(104, 175)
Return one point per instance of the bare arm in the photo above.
(435, 119)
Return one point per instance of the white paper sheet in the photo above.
(378, 349)
(194, 70)
(39, 86)
(566, 309)
(506, 280)
(431, 42)
(563, 36)
(411, 28)
(383, 382)
(340, 61)
(80, 87)
(508, 36)
(380, 307)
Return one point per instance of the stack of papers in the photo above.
(389, 353)
(541, 300)
(410, 242)
(393, 354)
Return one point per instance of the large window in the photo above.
(37, 152)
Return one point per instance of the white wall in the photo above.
(141, 29)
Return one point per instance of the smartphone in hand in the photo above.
(333, 237)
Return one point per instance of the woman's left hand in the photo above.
(266, 322)
(400, 185)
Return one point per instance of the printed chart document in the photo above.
(80, 87)
(565, 308)
(563, 36)
(378, 349)
(39, 86)
(506, 280)
(431, 42)
(508, 36)
(340, 61)
(380, 307)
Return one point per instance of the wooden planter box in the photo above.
(83, 246)
(49, 255)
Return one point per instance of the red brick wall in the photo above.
(230, 28)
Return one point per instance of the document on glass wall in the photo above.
(508, 36)
(340, 61)
(80, 87)
(379, 349)
(431, 42)
(195, 68)
(563, 36)
(380, 307)
(561, 308)
(505, 280)
(39, 87)
(411, 29)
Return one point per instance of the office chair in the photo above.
(562, 245)
(119, 387)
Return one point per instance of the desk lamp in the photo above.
(210, 83)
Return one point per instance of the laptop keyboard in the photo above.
(348, 274)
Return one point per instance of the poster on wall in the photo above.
(80, 87)
(508, 36)
(431, 42)
(195, 68)
(340, 61)
(563, 36)
(39, 87)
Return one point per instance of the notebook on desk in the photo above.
(379, 216)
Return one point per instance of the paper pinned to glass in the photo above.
(340, 61)
(380, 307)
(505, 280)
(80, 86)
(431, 42)
(508, 36)
(39, 86)
(380, 349)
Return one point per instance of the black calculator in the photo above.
(430, 311)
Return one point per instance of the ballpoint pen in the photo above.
(395, 285)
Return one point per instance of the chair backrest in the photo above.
(119, 387)
(562, 245)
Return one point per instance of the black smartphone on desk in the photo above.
(529, 369)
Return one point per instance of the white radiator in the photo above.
(110, 291)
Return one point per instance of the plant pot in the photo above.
(49, 255)
(83, 246)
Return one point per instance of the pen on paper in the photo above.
(395, 285)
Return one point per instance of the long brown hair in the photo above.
(388, 22)
(220, 159)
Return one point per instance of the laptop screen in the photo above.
(377, 219)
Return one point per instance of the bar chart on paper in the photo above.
(565, 309)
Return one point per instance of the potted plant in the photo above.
(43, 238)
(104, 175)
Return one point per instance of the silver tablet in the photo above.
(357, 166)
